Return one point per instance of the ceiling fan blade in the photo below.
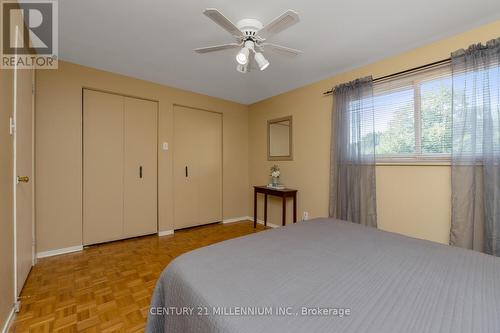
(282, 22)
(223, 21)
(281, 49)
(217, 48)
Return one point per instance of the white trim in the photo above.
(59, 251)
(237, 219)
(249, 218)
(33, 166)
(414, 159)
(9, 321)
(14, 174)
(271, 225)
(165, 233)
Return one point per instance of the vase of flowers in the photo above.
(275, 175)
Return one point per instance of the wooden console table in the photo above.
(284, 193)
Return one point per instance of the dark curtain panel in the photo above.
(352, 164)
(475, 173)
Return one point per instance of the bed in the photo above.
(326, 275)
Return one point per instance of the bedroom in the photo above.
(113, 196)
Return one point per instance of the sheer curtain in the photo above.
(352, 165)
(475, 172)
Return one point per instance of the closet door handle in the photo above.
(186, 170)
(140, 171)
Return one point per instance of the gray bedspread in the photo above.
(326, 275)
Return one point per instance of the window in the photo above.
(413, 117)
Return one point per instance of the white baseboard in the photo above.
(9, 321)
(59, 251)
(249, 218)
(165, 233)
(236, 219)
(270, 225)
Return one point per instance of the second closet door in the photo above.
(140, 167)
(185, 166)
(209, 167)
(197, 167)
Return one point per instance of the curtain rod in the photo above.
(329, 92)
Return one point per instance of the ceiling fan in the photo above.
(251, 36)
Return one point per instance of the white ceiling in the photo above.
(154, 39)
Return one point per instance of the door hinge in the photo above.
(12, 126)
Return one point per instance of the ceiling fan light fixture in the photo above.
(251, 36)
(261, 61)
(242, 68)
(243, 56)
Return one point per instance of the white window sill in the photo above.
(413, 162)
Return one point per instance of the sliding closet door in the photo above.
(103, 167)
(140, 167)
(185, 167)
(210, 167)
(197, 167)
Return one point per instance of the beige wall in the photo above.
(59, 148)
(412, 200)
(6, 214)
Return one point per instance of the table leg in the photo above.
(295, 208)
(255, 209)
(265, 210)
(284, 210)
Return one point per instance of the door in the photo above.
(103, 154)
(23, 166)
(185, 150)
(197, 167)
(120, 167)
(140, 167)
(210, 167)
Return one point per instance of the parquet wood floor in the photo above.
(108, 287)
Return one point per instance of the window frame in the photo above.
(415, 81)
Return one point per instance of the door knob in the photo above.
(23, 179)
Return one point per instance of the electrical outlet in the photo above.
(305, 216)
